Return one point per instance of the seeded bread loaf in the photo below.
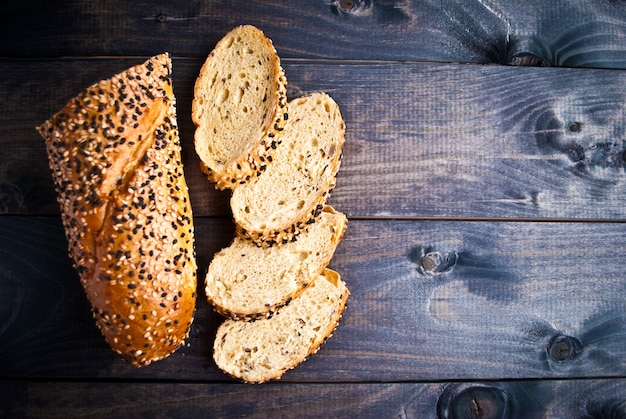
(264, 349)
(277, 206)
(239, 107)
(115, 157)
(245, 281)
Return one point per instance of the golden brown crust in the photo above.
(115, 156)
(271, 237)
(246, 282)
(253, 160)
(334, 277)
(245, 351)
(324, 185)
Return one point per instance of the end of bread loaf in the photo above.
(115, 157)
(263, 350)
(239, 107)
(276, 207)
(248, 282)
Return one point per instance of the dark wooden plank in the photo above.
(394, 30)
(422, 140)
(568, 33)
(476, 298)
(431, 300)
(564, 32)
(512, 399)
(466, 141)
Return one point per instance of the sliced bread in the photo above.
(245, 281)
(239, 107)
(277, 206)
(264, 349)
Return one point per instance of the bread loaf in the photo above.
(245, 281)
(239, 107)
(277, 206)
(264, 349)
(115, 157)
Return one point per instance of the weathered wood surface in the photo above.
(487, 211)
(523, 399)
(572, 33)
(423, 140)
(431, 300)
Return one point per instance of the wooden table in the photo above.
(483, 177)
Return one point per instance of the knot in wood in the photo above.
(161, 18)
(354, 7)
(476, 401)
(433, 263)
(575, 126)
(347, 5)
(564, 348)
(528, 60)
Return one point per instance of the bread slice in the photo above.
(239, 107)
(264, 349)
(277, 206)
(114, 152)
(245, 281)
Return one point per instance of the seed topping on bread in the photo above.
(115, 157)
(264, 349)
(276, 207)
(239, 107)
(245, 281)
(280, 160)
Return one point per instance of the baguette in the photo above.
(239, 107)
(115, 157)
(245, 281)
(264, 349)
(277, 206)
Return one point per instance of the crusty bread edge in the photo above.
(103, 317)
(291, 231)
(328, 333)
(255, 160)
(271, 310)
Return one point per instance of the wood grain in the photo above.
(575, 33)
(396, 30)
(422, 140)
(567, 33)
(430, 300)
(553, 399)
(486, 204)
